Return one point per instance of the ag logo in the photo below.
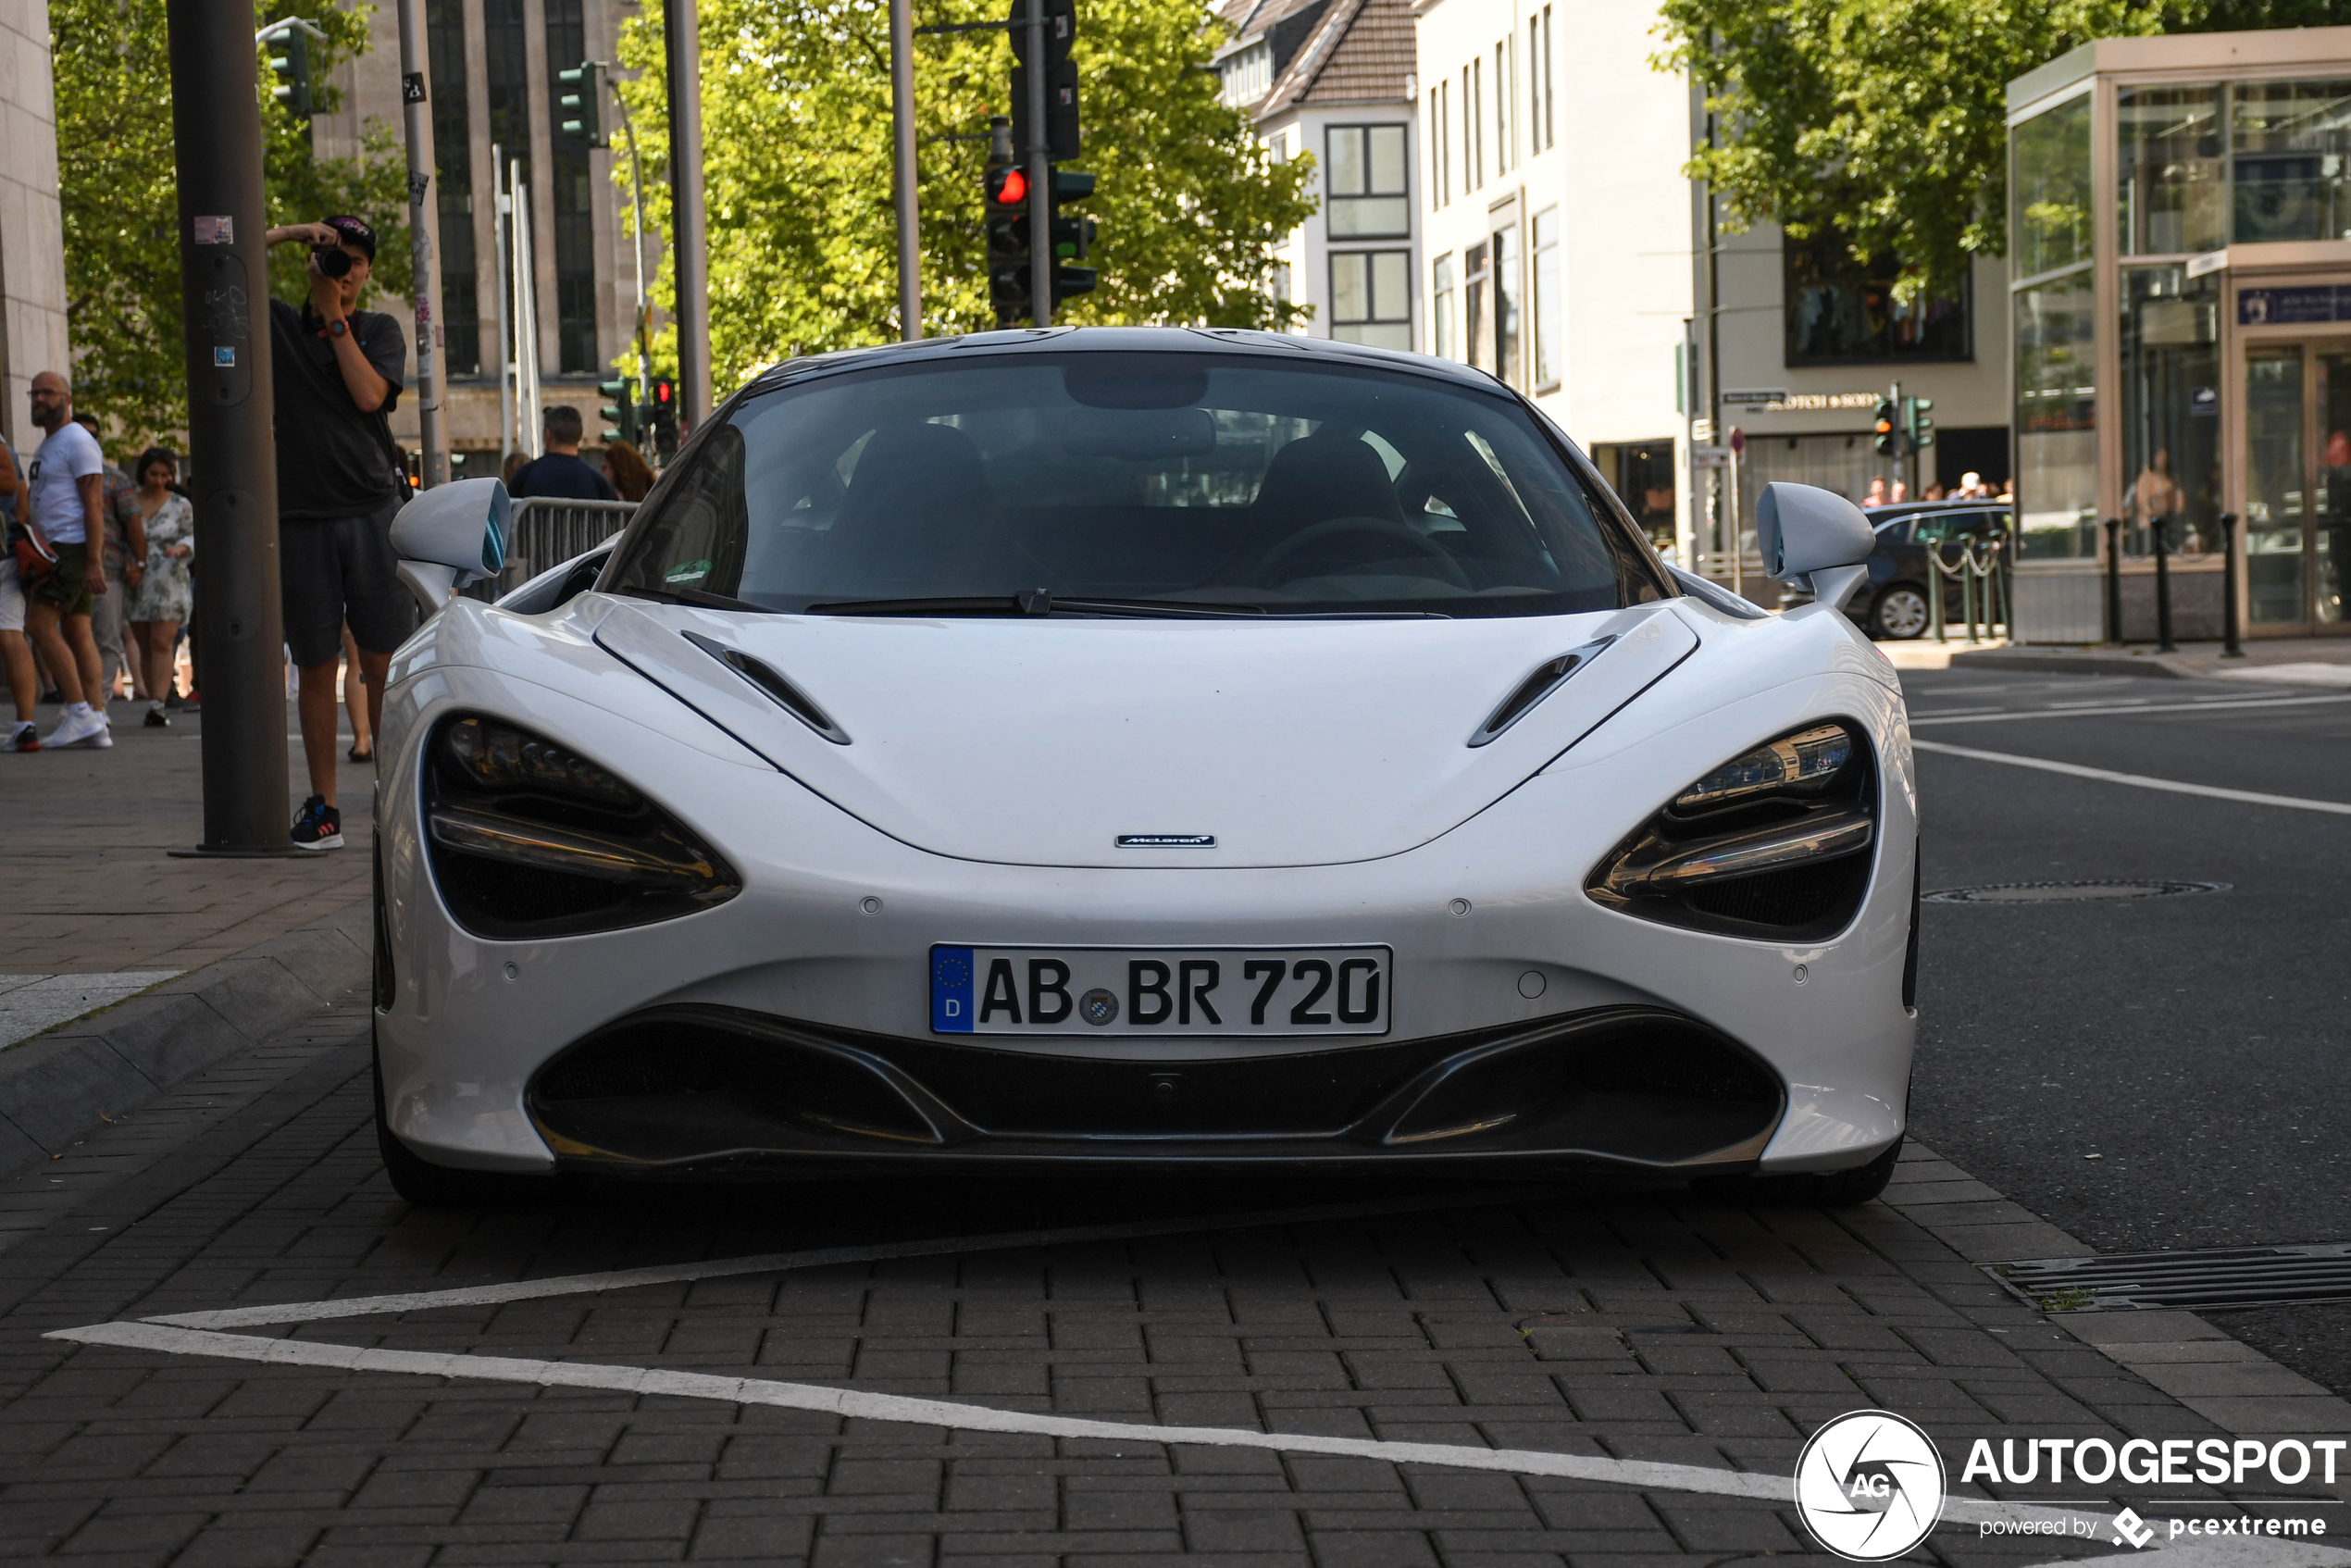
(1870, 1486)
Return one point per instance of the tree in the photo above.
(797, 157)
(119, 186)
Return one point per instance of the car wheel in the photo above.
(1813, 1189)
(438, 1187)
(1899, 614)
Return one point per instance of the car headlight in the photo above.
(528, 839)
(1773, 843)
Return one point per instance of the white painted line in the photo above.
(770, 1263)
(2138, 780)
(2209, 704)
(958, 1416)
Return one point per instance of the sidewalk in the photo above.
(85, 837)
(2301, 661)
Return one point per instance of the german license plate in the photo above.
(1020, 991)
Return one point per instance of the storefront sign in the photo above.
(2203, 402)
(1754, 397)
(2272, 307)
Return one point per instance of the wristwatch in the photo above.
(338, 329)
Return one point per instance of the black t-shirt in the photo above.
(562, 474)
(333, 461)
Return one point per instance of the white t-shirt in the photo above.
(66, 458)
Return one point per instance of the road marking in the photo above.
(773, 1263)
(2137, 780)
(851, 1403)
(2207, 704)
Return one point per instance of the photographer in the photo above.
(338, 372)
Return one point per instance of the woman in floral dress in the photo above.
(161, 602)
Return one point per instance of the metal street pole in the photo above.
(224, 283)
(423, 230)
(901, 125)
(1040, 174)
(682, 32)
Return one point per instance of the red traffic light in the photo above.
(1013, 190)
(664, 391)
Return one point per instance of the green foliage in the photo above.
(796, 141)
(119, 189)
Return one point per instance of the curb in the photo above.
(57, 1086)
(2048, 661)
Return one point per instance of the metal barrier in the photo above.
(2232, 643)
(544, 531)
(1983, 580)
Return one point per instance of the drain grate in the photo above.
(2068, 893)
(2224, 1276)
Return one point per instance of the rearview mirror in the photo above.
(452, 535)
(1806, 534)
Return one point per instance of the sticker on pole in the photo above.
(1870, 1486)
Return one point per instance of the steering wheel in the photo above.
(1266, 573)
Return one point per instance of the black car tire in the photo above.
(428, 1186)
(1899, 612)
(1813, 1189)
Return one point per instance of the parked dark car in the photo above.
(1895, 604)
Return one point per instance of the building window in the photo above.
(1550, 363)
(1439, 141)
(1371, 298)
(453, 151)
(1247, 73)
(2292, 176)
(1477, 346)
(1505, 95)
(2049, 194)
(2172, 179)
(1506, 297)
(1366, 182)
(1842, 310)
(1539, 135)
(1474, 121)
(504, 62)
(568, 180)
(1442, 305)
(1281, 284)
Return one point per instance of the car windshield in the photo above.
(1122, 482)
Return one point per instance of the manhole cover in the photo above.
(2224, 1276)
(2068, 893)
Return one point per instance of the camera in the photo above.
(333, 260)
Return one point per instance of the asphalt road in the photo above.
(2149, 1074)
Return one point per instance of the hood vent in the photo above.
(1544, 679)
(782, 693)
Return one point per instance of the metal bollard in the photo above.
(2163, 643)
(2114, 579)
(1967, 590)
(1934, 596)
(2231, 640)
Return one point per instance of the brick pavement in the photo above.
(86, 836)
(1589, 1320)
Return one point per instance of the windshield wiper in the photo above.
(697, 597)
(1029, 602)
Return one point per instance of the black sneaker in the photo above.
(154, 719)
(319, 826)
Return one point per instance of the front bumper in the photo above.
(825, 950)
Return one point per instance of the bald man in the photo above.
(67, 494)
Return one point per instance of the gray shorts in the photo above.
(337, 569)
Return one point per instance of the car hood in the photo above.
(1043, 743)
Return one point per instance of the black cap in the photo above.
(354, 231)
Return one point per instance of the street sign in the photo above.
(1710, 456)
(1060, 27)
(1752, 395)
(1738, 440)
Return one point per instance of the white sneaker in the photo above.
(23, 738)
(84, 729)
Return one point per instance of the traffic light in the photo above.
(1918, 430)
(289, 63)
(1072, 237)
(621, 412)
(1004, 199)
(1888, 438)
(583, 103)
(664, 417)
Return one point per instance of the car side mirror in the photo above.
(1816, 537)
(449, 536)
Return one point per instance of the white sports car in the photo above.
(1178, 747)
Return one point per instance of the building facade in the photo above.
(1557, 225)
(33, 254)
(495, 101)
(1334, 79)
(2180, 283)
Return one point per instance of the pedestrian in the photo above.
(354, 702)
(562, 473)
(1876, 497)
(626, 465)
(24, 686)
(68, 518)
(159, 605)
(126, 564)
(338, 372)
(513, 464)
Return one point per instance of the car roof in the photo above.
(1233, 340)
